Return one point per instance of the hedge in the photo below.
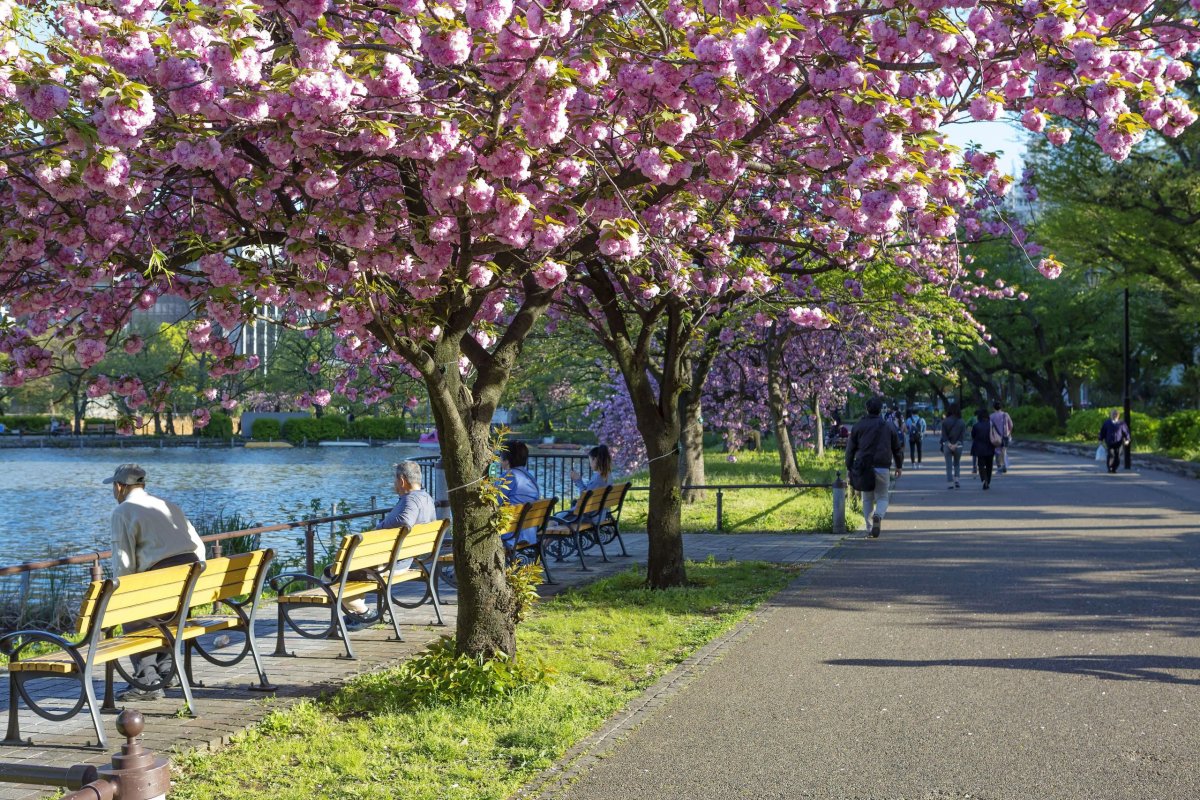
(377, 428)
(265, 430)
(315, 429)
(26, 423)
(1034, 419)
(219, 427)
(1180, 431)
(1084, 426)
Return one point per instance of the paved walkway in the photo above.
(227, 706)
(1035, 641)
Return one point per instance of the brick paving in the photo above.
(225, 705)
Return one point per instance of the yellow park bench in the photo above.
(162, 598)
(365, 564)
(594, 521)
(524, 515)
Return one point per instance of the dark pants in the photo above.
(156, 665)
(914, 450)
(985, 468)
(1114, 456)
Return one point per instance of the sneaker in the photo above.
(951, 486)
(875, 521)
(135, 695)
(354, 623)
(956, 484)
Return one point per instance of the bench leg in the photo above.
(89, 692)
(110, 701)
(385, 602)
(184, 683)
(187, 664)
(542, 560)
(263, 684)
(13, 737)
(579, 550)
(600, 542)
(437, 601)
(345, 634)
(280, 648)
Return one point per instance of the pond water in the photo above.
(54, 501)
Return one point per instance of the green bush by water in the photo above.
(266, 429)
(219, 427)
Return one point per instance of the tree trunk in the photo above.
(820, 426)
(691, 452)
(789, 470)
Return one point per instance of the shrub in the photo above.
(315, 429)
(1180, 431)
(265, 429)
(377, 428)
(219, 427)
(1084, 426)
(439, 675)
(26, 423)
(1034, 419)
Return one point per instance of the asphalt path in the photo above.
(1038, 640)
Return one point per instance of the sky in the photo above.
(994, 136)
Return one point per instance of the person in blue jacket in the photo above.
(517, 486)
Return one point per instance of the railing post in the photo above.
(839, 505)
(137, 773)
(310, 561)
(216, 549)
(720, 509)
(97, 570)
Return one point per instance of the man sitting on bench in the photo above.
(148, 533)
(414, 508)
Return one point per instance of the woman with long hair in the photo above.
(601, 475)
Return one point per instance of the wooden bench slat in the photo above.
(122, 646)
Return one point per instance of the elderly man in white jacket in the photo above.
(148, 533)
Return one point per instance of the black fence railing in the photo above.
(720, 488)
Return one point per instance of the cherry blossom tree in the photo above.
(422, 177)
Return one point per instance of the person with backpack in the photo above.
(915, 428)
(951, 443)
(1114, 433)
(874, 445)
(985, 441)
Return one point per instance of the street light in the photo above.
(1093, 280)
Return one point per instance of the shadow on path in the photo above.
(1112, 668)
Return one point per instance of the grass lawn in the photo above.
(753, 510)
(607, 642)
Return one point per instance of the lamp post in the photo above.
(1128, 392)
(1093, 280)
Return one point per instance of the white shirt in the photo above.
(146, 529)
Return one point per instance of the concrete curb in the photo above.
(1175, 466)
(550, 784)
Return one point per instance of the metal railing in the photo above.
(552, 471)
(838, 487)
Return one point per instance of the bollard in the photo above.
(839, 506)
(137, 773)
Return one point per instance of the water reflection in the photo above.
(54, 499)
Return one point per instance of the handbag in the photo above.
(994, 435)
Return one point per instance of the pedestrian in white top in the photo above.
(1004, 426)
(148, 533)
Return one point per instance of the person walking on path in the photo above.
(1004, 425)
(915, 428)
(148, 533)
(1114, 433)
(982, 446)
(951, 443)
(878, 440)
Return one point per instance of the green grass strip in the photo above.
(608, 642)
(753, 510)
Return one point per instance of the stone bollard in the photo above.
(136, 772)
(839, 506)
